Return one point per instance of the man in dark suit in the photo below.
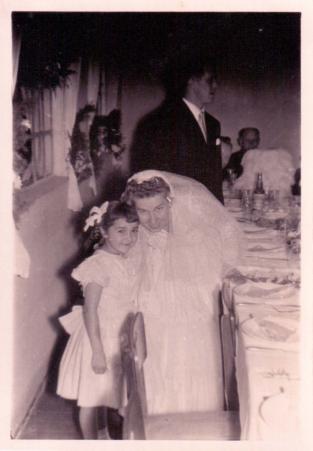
(180, 136)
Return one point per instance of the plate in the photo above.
(264, 247)
(253, 229)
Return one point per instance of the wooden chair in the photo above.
(227, 327)
(138, 424)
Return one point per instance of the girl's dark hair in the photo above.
(116, 210)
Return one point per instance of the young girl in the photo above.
(90, 369)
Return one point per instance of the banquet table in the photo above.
(260, 326)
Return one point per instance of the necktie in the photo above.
(202, 124)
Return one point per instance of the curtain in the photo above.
(16, 50)
(93, 82)
(70, 101)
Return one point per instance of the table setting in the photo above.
(271, 230)
(261, 301)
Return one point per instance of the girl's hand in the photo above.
(98, 362)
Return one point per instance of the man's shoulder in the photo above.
(212, 119)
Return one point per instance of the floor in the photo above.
(56, 419)
(52, 418)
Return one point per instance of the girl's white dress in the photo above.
(179, 298)
(117, 276)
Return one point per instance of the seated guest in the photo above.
(248, 138)
(107, 153)
(80, 157)
(276, 166)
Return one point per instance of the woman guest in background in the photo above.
(189, 241)
(91, 370)
(80, 157)
(107, 153)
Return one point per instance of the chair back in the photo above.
(228, 354)
(133, 424)
(126, 353)
(139, 351)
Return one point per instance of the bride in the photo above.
(189, 242)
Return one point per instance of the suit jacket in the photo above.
(170, 139)
(234, 163)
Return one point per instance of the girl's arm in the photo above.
(91, 319)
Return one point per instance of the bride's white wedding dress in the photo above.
(179, 299)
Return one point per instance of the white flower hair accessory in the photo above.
(95, 215)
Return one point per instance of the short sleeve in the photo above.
(92, 270)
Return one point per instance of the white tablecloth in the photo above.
(265, 291)
(267, 373)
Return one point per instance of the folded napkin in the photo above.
(264, 246)
(271, 254)
(273, 327)
(254, 232)
(276, 331)
(252, 228)
(266, 292)
(271, 262)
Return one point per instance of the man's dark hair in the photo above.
(184, 66)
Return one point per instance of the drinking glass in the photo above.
(247, 203)
(273, 199)
(231, 176)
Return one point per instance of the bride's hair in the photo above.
(146, 188)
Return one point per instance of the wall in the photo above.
(48, 235)
(273, 106)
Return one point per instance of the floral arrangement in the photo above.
(275, 165)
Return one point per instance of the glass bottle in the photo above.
(259, 193)
(259, 189)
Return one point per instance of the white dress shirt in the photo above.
(197, 113)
